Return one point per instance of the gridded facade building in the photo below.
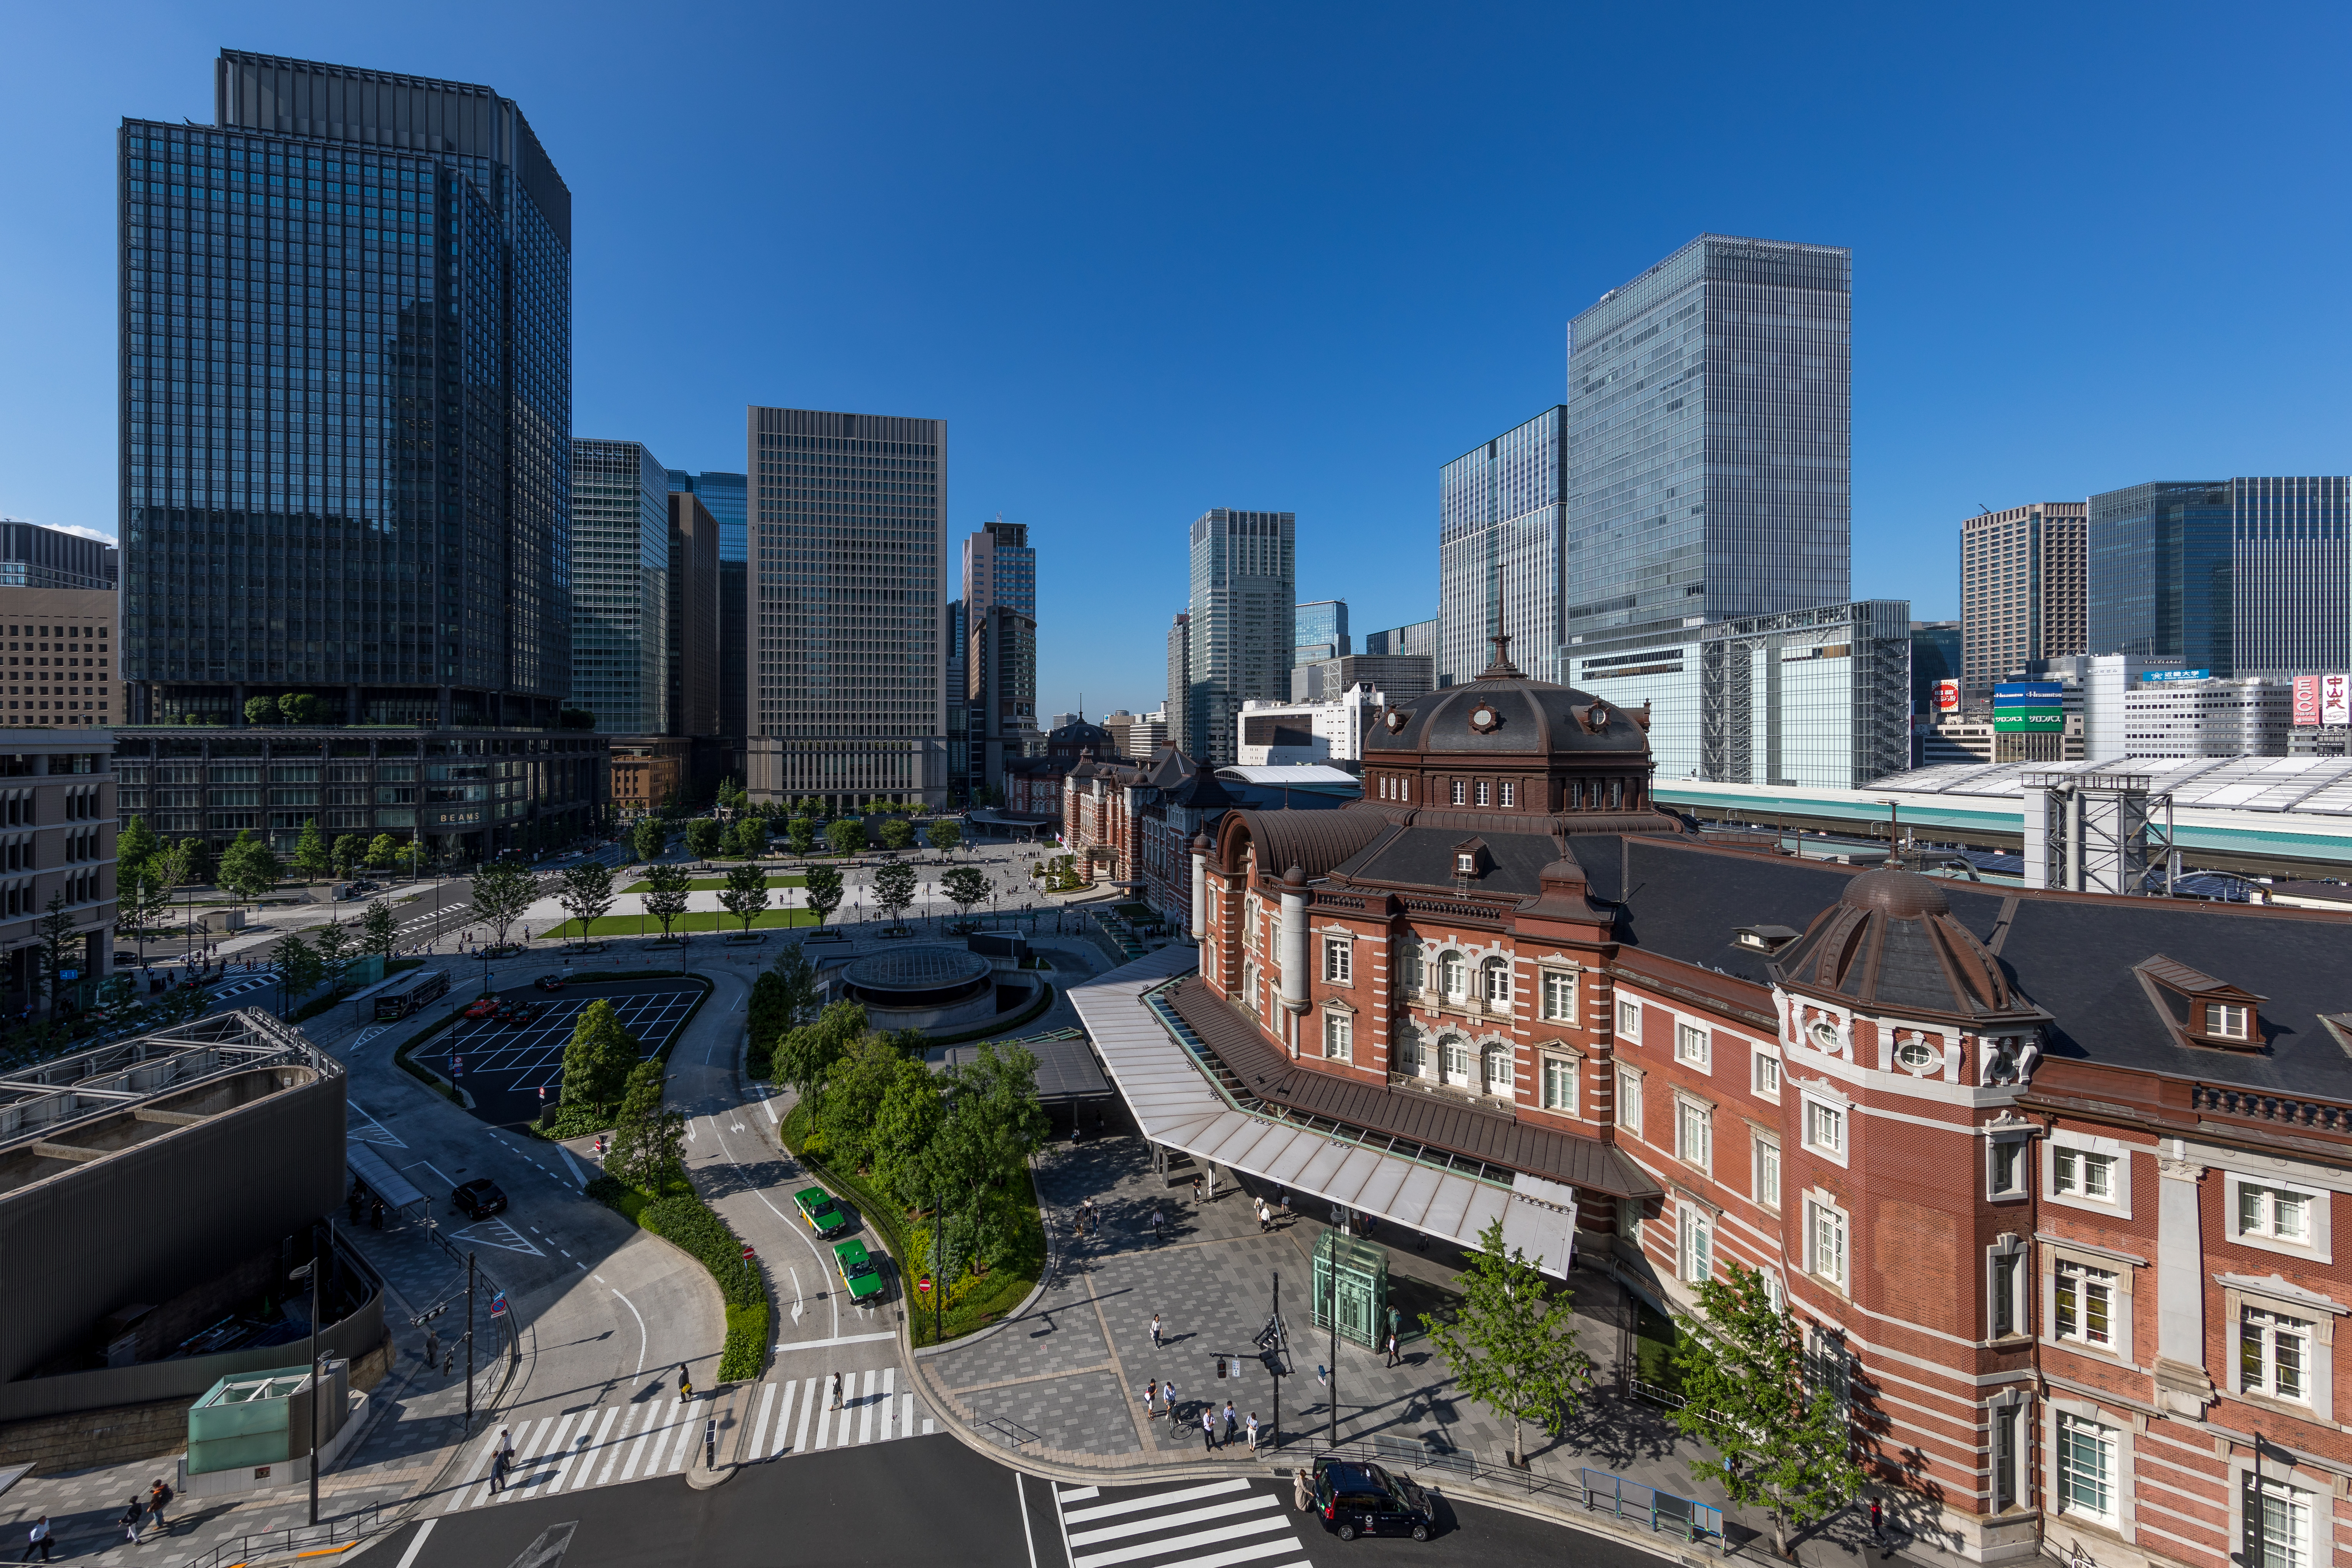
(1420, 638)
(2023, 592)
(725, 496)
(1501, 513)
(2290, 574)
(2159, 572)
(620, 587)
(848, 566)
(1321, 628)
(346, 401)
(32, 557)
(1180, 680)
(1710, 432)
(1239, 643)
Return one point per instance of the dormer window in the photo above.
(2201, 1009)
(2226, 1021)
(1466, 863)
(1470, 858)
(1764, 939)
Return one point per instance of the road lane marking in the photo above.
(1157, 1499)
(588, 1457)
(760, 1431)
(808, 1408)
(865, 1412)
(640, 1317)
(417, 1544)
(1019, 1492)
(1125, 1529)
(825, 1420)
(889, 1402)
(836, 1340)
(1187, 1546)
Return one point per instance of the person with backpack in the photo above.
(159, 1498)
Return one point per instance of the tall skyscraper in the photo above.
(1501, 521)
(848, 559)
(694, 619)
(1245, 588)
(1709, 427)
(2290, 574)
(1000, 567)
(2159, 572)
(999, 614)
(1321, 628)
(1180, 683)
(2023, 592)
(727, 498)
(346, 465)
(620, 586)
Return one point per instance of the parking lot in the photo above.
(504, 1067)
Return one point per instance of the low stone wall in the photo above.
(88, 1439)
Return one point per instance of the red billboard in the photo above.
(1948, 696)
(2306, 699)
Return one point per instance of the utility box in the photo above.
(1353, 1276)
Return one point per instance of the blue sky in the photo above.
(1296, 257)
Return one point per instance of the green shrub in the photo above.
(746, 1353)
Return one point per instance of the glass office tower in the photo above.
(2158, 584)
(620, 587)
(1321, 628)
(346, 402)
(1239, 639)
(726, 496)
(1501, 517)
(2291, 575)
(1710, 430)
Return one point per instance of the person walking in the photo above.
(131, 1515)
(1151, 1398)
(1232, 1425)
(1264, 1217)
(1209, 1429)
(1196, 1188)
(833, 1389)
(159, 1498)
(1155, 1331)
(1301, 1496)
(1392, 1354)
(499, 1463)
(685, 1384)
(39, 1541)
(1252, 1431)
(1877, 1522)
(1167, 1391)
(1159, 1223)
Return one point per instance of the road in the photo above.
(935, 1500)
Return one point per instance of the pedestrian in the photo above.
(1877, 1522)
(499, 1461)
(38, 1541)
(833, 1389)
(432, 1347)
(159, 1498)
(1300, 1496)
(1264, 1219)
(1151, 1398)
(1167, 1391)
(1252, 1431)
(1209, 1430)
(1282, 1201)
(1232, 1425)
(1196, 1188)
(1393, 1355)
(1155, 1331)
(130, 1518)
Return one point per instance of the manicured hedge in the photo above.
(684, 1219)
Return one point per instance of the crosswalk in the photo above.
(803, 1419)
(1196, 1526)
(240, 987)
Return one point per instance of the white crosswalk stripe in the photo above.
(1211, 1524)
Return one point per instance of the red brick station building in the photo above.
(2051, 1175)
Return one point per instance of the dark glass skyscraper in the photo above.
(2158, 580)
(347, 401)
(726, 496)
(1710, 439)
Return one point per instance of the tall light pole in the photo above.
(310, 1272)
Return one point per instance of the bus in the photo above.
(410, 992)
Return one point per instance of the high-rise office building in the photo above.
(2023, 592)
(620, 586)
(346, 464)
(1710, 441)
(694, 619)
(32, 557)
(1000, 567)
(848, 563)
(1501, 510)
(1419, 638)
(1180, 682)
(1935, 658)
(1000, 575)
(1244, 587)
(59, 612)
(2290, 574)
(1321, 628)
(726, 498)
(2159, 570)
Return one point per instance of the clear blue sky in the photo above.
(1298, 256)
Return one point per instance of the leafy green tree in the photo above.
(142, 900)
(823, 891)
(585, 891)
(855, 1087)
(336, 949)
(379, 931)
(382, 849)
(906, 1122)
(894, 888)
(599, 1059)
(310, 855)
(58, 943)
(944, 835)
(649, 839)
(180, 1005)
(502, 892)
(702, 837)
(204, 866)
(248, 867)
(1512, 1346)
(966, 886)
(845, 836)
(745, 896)
(752, 837)
(995, 1098)
(136, 844)
(298, 969)
(796, 991)
(647, 1140)
(897, 833)
(801, 833)
(806, 1056)
(1774, 1415)
(118, 1001)
(301, 708)
(260, 710)
(351, 851)
(667, 886)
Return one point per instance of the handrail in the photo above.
(303, 1538)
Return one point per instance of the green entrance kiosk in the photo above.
(1361, 1273)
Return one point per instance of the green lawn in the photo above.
(694, 921)
(714, 884)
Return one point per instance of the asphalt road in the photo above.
(932, 1499)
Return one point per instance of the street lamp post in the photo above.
(310, 1272)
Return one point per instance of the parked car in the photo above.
(485, 1008)
(517, 1013)
(125, 960)
(1354, 1499)
(858, 1275)
(817, 1207)
(550, 982)
(479, 1198)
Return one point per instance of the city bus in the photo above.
(411, 992)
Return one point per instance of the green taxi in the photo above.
(858, 1275)
(817, 1207)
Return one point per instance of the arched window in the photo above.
(1416, 976)
(1495, 983)
(1454, 974)
(1498, 1070)
(1407, 1051)
(1454, 1059)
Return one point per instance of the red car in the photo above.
(486, 1008)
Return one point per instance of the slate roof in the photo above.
(1445, 1125)
(1533, 718)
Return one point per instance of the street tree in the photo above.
(801, 833)
(994, 1097)
(204, 866)
(667, 886)
(298, 970)
(379, 931)
(336, 949)
(136, 844)
(382, 849)
(897, 833)
(248, 867)
(1512, 1345)
(586, 893)
(649, 838)
(502, 892)
(1772, 1413)
(598, 1058)
(796, 994)
(944, 835)
(142, 900)
(894, 889)
(702, 836)
(823, 891)
(745, 895)
(55, 939)
(806, 1056)
(647, 1140)
(311, 857)
(966, 886)
(845, 836)
(351, 851)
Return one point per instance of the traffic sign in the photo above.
(924, 1283)
(747, 1252)
(499, 1305)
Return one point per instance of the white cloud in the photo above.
(73, 528)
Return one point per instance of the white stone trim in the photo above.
(2320, 1248)
(2124, 1521)
(2118, 1206)
(2118, 1347)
